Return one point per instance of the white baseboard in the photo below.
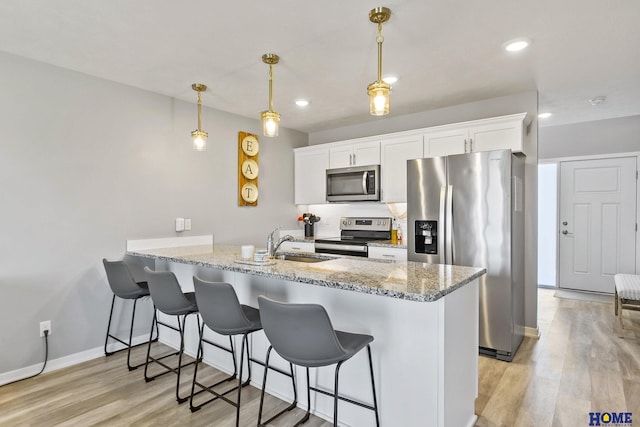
(63, 362)
(532, 332)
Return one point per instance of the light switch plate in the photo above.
(179, 224)
(187, 223)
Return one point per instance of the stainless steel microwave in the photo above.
(354, 184)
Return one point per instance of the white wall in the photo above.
(86, 164)
(547, 223)
(524, 102)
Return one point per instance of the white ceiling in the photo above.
(445, 52)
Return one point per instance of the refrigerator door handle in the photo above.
(441, 224)
(449, 226)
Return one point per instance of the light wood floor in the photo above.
(578, 365)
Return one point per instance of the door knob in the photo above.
(564, 222)
(565, 232)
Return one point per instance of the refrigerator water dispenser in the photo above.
(426, 240)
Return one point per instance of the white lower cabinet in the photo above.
(394, 254)
(297, 247)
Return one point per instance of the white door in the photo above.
(597, 222)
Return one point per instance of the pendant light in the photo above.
(199, 136)
(270, 119)
(379, 91)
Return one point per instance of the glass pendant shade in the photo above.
(199, 140)
(270, 122)
(379, 98)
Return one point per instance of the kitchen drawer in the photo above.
(394, 254)
(297, 247)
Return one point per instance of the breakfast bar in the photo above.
(424, 318)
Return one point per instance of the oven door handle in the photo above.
(353, 248)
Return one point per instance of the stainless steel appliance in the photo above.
(468, 210)
(355, 233)
(360, 183)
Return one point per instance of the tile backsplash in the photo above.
(329, 225)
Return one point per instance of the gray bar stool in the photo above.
(303, 335)
(168, 297)
(222, 313)
(124, 286)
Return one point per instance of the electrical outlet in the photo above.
(179, 224)
(187, 224)
(45, 326)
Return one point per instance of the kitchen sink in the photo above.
(303, 258)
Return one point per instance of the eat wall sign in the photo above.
(248, 169)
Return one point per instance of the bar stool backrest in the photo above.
(120, 279)
(166, 293)
(300, 333)
(219, 307)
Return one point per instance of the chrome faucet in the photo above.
(272, 247)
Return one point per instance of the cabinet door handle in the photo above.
(350, 159)
(471, 145)
(354, 159)
(388, 255)
(465, 146)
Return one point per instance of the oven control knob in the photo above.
(349, 222)
(378, 223)
(384, 222)
(344, 222)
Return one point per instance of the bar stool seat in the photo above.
(169, 299)
(124, 286)
(302, 334)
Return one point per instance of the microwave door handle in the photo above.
(365, 175)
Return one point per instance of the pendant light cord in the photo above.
(46, 357)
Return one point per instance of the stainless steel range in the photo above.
(355, 233)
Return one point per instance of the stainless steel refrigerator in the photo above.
(467, 210)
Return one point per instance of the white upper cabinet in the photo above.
(310, 165)
(393, 169)
(445, 142)
(498, 134)
(354, 154)
(391, 152)
(480, 135)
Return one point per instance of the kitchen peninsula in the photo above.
(424, 319)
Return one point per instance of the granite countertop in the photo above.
(405, 280)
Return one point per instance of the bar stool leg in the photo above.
(335, 395)
(373, 387)
(264, 384)
(146, 364)
(106, 339)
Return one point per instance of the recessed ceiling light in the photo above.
(597, 100)
(544, 115)
(390, 79)
(302, 102)
(516, 44)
